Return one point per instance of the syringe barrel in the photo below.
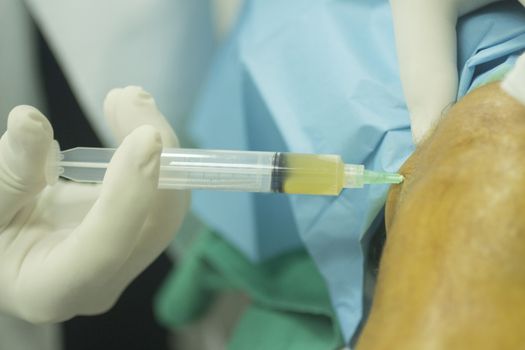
(183, 168)
(292, 173)
(246, 171)
(216, 170)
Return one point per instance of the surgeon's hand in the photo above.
(426, 46)
(71, 249)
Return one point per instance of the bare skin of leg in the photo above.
(452, 274)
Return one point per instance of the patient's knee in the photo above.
(452, 274)
(478, 145)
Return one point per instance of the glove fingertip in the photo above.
(136, 160)
(27, 121)
(110, 102)
(137, 93)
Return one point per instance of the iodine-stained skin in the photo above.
(452, 274)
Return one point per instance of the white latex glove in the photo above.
(426, 47)
(514, 82)
(71, 249)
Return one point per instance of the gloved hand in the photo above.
(426, 47)
(71, 249)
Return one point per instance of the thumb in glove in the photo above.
(24, 149)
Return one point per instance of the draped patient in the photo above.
(452, 274)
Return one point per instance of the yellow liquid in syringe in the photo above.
(308, 174)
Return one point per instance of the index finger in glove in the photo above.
(426, 47)
(130, 107)
(127, 109)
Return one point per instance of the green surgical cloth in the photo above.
(290, 306)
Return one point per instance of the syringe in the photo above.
(292, 173)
